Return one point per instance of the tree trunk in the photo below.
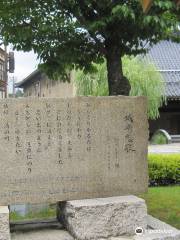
(118, 84)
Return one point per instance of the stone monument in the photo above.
(77, 148)
(74, 148)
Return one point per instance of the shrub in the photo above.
(159, 138)
(164, 169)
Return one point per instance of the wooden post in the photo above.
(178, 2)
(6, 72)
(146, 5)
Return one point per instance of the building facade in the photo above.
(37, 84)
(3, 74)
(166, 57)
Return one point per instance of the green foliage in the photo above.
(49, 212)
(159, 138)
(164, 204)
(92, 84)
(19, 93)
(76, 33)
(144, 79)
(164, 169)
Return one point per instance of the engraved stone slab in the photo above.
(64, 149)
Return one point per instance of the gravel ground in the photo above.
(165, 148)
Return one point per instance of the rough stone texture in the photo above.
(42, 235)
(103, 217)
(153, 224)
(157, 230)
(118, 238)
(73, 148)
(4, 223)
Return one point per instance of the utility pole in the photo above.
(13, 82)
(6, 72)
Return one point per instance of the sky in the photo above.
(25, 63)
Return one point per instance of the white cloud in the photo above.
(25, 63)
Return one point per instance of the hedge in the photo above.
(164, 169)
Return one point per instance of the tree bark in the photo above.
(118, 84)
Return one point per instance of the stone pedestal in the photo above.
(4, 223)
(103, 217)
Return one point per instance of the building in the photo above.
(3, 74)
(37, 84)
(166, 56)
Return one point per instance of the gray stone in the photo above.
(4, 223)
(74, 148)
(103, 217)
(158, 230)
(153, 224)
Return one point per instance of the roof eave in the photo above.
(170, 98)
(25, 80)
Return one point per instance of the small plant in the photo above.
(164, 169)
(159, 138)
(49, 212)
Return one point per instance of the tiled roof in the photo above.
(28, 78)
(172, 84)
(166, 56)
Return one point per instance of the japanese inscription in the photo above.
(69, 130)
(38, 130)
(18, 142)
(72, 148)
(129, 138)
(59, 136)
(48, 123)
(88, 127)
(5, 113)
(28, 130)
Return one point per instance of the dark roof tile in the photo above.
(166, 57)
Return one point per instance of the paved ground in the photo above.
(53, 235)
(165, 148)
(44, 234)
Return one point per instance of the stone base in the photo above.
(103, 217)
(157, 230)
(4, 223)
(151, 233)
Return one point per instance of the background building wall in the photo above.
(2, 73)
(42, 86)
(169, 119)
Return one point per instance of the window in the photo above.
(2, 71)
